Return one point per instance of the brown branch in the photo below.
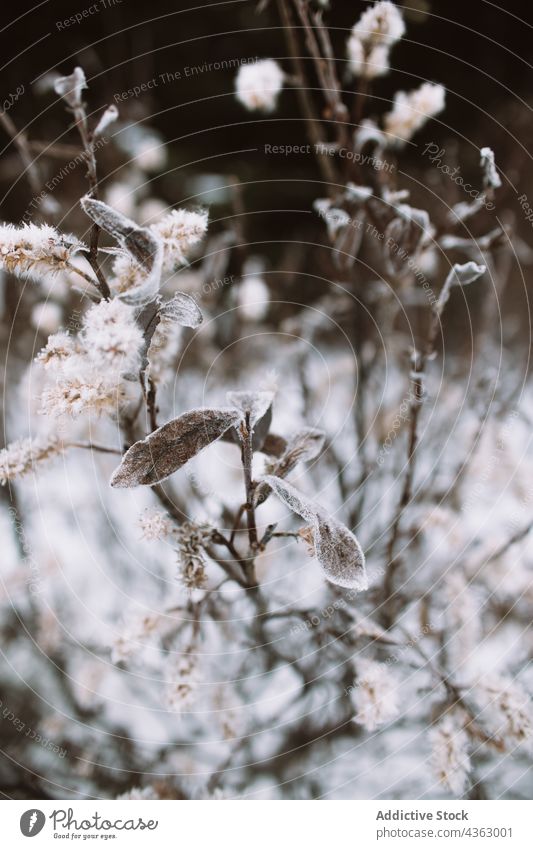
(302, 91)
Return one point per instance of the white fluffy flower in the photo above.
(111, 337)
(182, 688)
(258, 85)
(381, 23)
(411, 110)
(449, 758)
(154, 525)
(138, 794)
(20, 457)
(35, 251)
(58, 349)
(375, 695)
(508, 708)
(179, 231)
(92, 391)
(371, 39)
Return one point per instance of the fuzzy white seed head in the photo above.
(179, 231)
(509, 710)
(380, 24)
(58, 349)
(182, 688)
(20, 458)
(154, 525)
(111, 337)
(449, 757)
(258, 85)
(35, 251)
(90, 392)
(141, 794)
(411, 110)
(375, 695)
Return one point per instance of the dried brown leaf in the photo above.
(168, 448)
(336, 548)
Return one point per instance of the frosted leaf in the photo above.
(336, 548)
(182, 309)
(168, 448)
(305, 445)
(143, 246)
(108, 118)
(71, 87)
(404, 235)
(462, 275)
(255, 404)
(491, 178)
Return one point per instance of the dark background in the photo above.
(480, 52)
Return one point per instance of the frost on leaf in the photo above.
(109, 117)
(336, 548)
(305, 445)
(182, 309)
(259, 406)
(71, 87)
(460, 275)
(168, 448)
(142, 245)
(254, 404)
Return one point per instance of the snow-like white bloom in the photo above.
(449, 757)
(259, 84)
(60, 347)
(462, 619)
(141, 794)
(375, 695)
(71, 395)
(379, 27)
(381, 23)
(127, 275)
(20, 457)
(179, 231)
(411, 110)
(508, 709)
(35, 251)
(367, 63)
(137, 631)
(154, 524)
(183, 686)
(111, 337)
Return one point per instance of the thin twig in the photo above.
(302, 91)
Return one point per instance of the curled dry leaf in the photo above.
(306, 444)
(182, 309)
(168, 448)
(336, 548)
(143, 246)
